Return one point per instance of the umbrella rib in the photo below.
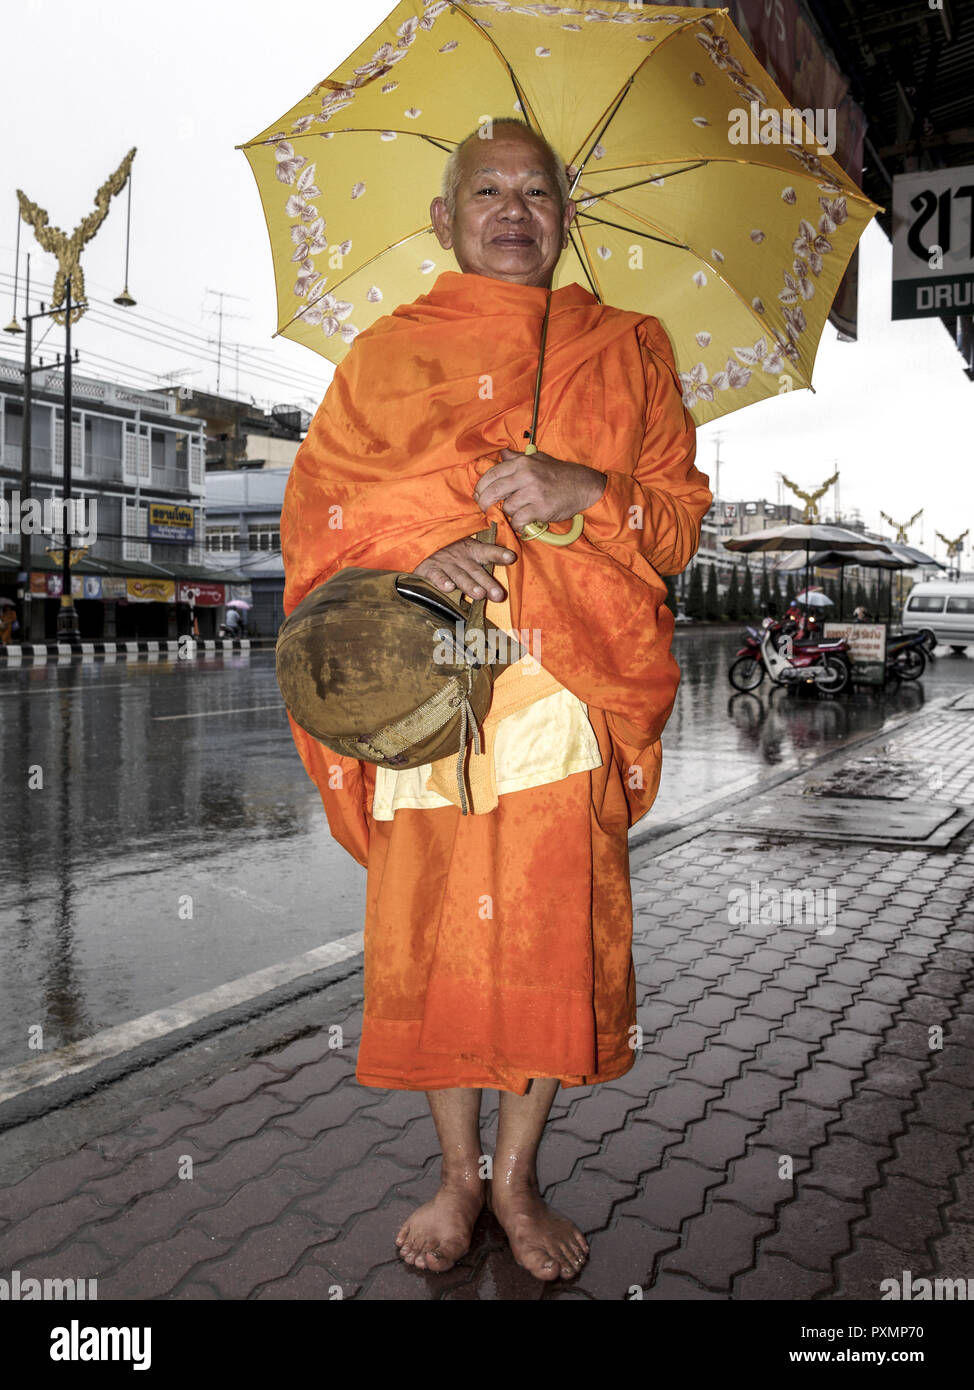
(665, 241)
(640, 183)
(582, 255)
(526, 108)
(617, 101)
(612, 111)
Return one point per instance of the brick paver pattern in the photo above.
(798, 1123)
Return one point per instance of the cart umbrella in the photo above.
(807, 536)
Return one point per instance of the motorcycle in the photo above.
(826, 664)
(906, 656)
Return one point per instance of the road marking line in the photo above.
(211, 713)
(111, 1042)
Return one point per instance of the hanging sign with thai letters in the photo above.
(933, 243)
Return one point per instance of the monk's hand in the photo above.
(537, 487)
(460, 565)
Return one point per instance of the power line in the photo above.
(120, 316)
(192, 343)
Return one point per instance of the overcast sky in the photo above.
(186, 82)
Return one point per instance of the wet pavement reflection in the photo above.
(719, 741)
(161, 837)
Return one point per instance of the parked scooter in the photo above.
(906, 656)
(826, 664)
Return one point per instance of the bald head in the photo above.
(505, 210)
(476, 146)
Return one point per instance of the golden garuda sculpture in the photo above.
(810, 498)
(68, 248)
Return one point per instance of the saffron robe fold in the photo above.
(498, 945)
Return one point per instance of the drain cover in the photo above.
(869, 819)
(881, 778)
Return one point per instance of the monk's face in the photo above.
(507, 222)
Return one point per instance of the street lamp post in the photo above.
(67, 628)
(68, 250)
(67, 618)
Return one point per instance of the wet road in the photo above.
(161, 838)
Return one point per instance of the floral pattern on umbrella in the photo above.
(715, 274)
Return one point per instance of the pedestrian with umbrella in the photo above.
(498, 943)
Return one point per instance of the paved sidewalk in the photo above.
(791, 1129)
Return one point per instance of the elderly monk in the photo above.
(498, 941)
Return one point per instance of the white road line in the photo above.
(211, 713)
(67, 690)
(111, 1042)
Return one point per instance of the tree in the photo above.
(711, 603)
(732, 603)
(776, 593)
(695, 594)
(790, 590)
(671, 599)
(747, 595)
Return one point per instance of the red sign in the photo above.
(201, 593)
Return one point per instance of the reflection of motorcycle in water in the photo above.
(825, 664)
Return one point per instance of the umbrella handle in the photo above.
(538, 530)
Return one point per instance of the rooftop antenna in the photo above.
(220, 315)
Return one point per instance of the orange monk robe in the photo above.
(498, 946)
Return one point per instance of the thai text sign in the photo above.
(201, 593)
(168, 522)
(867, 649)
(933, 243)
(151, 590)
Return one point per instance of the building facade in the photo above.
(138, 473)
(243, 530)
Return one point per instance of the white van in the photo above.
(946, 608)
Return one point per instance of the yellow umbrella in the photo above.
(702, 199)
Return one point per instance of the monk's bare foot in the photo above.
(547, 1245)
(438, 1233)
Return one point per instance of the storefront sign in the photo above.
(201, 593)
(168, 522)
(113, 588)
(933, 243)
(92, 585)
(46, 585)
(241, 591)
(151, 590)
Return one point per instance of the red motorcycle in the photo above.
(772, 649)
